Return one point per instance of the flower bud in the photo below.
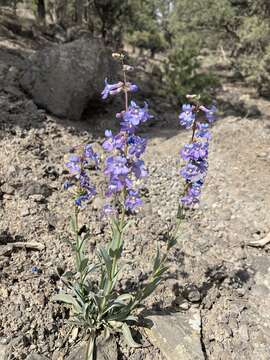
(128, 68)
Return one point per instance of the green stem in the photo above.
(90, 349)
(78, 247)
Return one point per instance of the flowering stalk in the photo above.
(195, 153)
(82, 191)
(123, 168)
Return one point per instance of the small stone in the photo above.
(36, 357)
(4, 293)
(177, 335)
(57, 355)
(3, 351)
(184, 306)
(243, 332)
(98, 203)
(192, 293)
(5, 250)
(7, 189)
(25, 212)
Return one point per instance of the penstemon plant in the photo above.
(196, 151)
(98, 307)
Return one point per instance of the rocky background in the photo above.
(214, 302)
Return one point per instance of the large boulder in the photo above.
(65, 78)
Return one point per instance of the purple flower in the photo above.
(202, 165)
(82, 199)
(108, 210)
(111, 89)
(83, 189)
(133, 200)
(74, 164)
(195, 151)
(117, 183)
(195, 189)
(202, 131)
(132, 87)
(116, 165)
(90, 154)
(189, 200)
(200, 151)
(127, 127)
(139, 169)
(210, 113)
(137, 145)
(136, 115)
(114, 142)
(108, 144)
(67, 185)
(187, 117)
(186, 151)
(190, 171)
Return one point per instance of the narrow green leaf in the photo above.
(73, 224)
(67, 299)
(162, 271)
(69, 274)
(149, 288)
(124, 297)
(107, 260)
(132, 318)
(83, 264)
(128, 336)
(157, 260)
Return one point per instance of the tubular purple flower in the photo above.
(90, 154)
(209, 113)
(83, 190)
(139, 169)
(114, 142)
(136, 115)
(202, 131)
(116, 165)
(187, 117)
(190, 171)
(189, 200)
(74, 164)
(111, 89)
(108, 210)
(137, 145)
(133, 200)
(131, 87)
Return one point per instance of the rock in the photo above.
(65, 78)
(177, 335)
(35, 188)
(192, 293)
(25, 212)
(36, 357)
(3, 351)
(253, 112)
(106, 350)
(7, 189)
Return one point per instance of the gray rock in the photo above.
(3, 351)
(36, 357)
(192, 293)
(177, 335)
(65, 78)
(106, 350)
(7, 189)
(35, 188)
